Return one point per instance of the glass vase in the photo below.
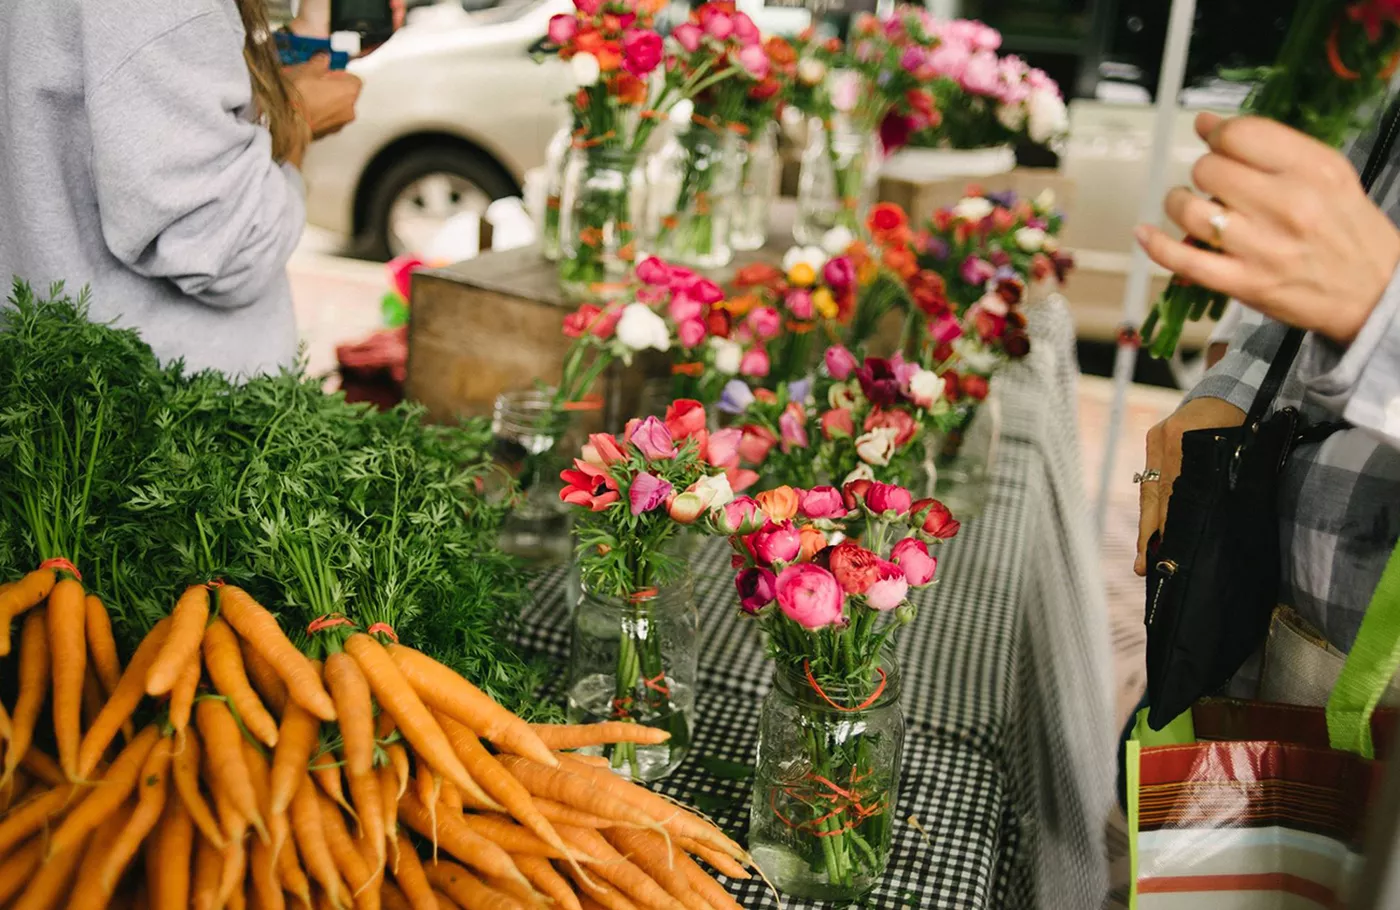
(837, 182)
(533, 440)
(634, 660)
(758, 170)
(556, 160)
(601, 210)
(966, 459)
(821, 821)
(693, 179)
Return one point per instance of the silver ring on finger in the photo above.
(1151, 475)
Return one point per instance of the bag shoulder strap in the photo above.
(1369, 668)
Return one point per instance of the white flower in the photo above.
(1051, 244)
(862, 472)
(1047, 117)
(844, 394)
(714, 491)
(1045, 202)
(1030, 239)
(1012, 116)
(586, 69)
(837, 240)
(682, 111)
(813, 256)
(728, 355)
(641, 328)
(991, 302)
(845, 91)
(810, 70)
(925, 387)
(973, 208)
(877, 446)
(976, 357)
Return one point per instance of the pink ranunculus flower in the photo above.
(688, 36)
(799, 303)
(766, 322)
(648, 492)
(809, 596)
(976, 271)
(691, 333)
(723, 450)
(776, 543)
(641, 51)
(685, 418)
(839, 362)
(755, 443)
(854, 566)
(755, 363)
(890, 589)
(703, 290)
(588, 7)
(792, 426)
(945, 328)
(745, 29)
(653, 439)
(887, 497)
(949, 59)
(653, 271)
(822, 502)
(757, 588)
(682, 308)
(934, 519)
(602, 450)
(838, 424)
(719, 25)
(401, 268)
(754, 59)
(839, 273)
(561, 28)
(982, 76)
(742, 515)
(911, 554)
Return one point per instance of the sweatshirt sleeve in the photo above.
(186, 187)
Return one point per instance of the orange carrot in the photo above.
(415, 722)
(711, 890)
(170, 886)
(524, 893)
(208, 864)
(410, 877)
(19, 867)
(451, 799)
(596, 761)
(348, 859)
(589, 793)
(398, 760)
(6, 729)
(20, 596)
(594, 893)
(512, 837)
(109, 793)
(589, 903)
(92, 696)
(152, 790)
(67, 618)
(182, 695)
(224, 663)
(429, 786)
(129, 692)
(548, 881)
(185, 771)
(187, 623)
(389, 803)
(33, 686)
(296, 740)
(457, 839)
(653, 855)
(261, 631)
(278, 826)
(311, 842)
(224, 756)
(447, 692)
(355, 713)
(579, 736)
(290, 873)
(233, 866)
(394, 899)
(722, 863)
(14, 792)
(445, 902)
(33, 815)
(102, 645)
(86, 887)
(47, 886)
(498, 784)
(560, 814)
(262, 872)
(326, 773)
(41, 766)
(622, 873)
(466, 889)
(264, 678)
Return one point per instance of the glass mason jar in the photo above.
(532, 442)
(759, 171)
(821, 823)
(635, 660)
(556, 159)
(966, 458)
(601, 211)
(693, 180)
(837, 182)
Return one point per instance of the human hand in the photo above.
(1298, 241)
(1164, 456)
(326, 96)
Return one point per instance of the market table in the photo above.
(1008, 767)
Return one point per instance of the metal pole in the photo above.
(1135, 292)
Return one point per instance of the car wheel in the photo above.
(417, 195)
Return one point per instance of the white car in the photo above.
(455, 109)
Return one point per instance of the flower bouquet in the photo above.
(634, 649)
(1336, 61)
(720, 53)
(831, 732)
(759, 165)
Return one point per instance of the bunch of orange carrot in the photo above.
(261, 778)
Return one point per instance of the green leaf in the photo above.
(728, 770)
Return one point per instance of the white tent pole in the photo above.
(1135, 292)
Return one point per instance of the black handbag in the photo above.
(1213, 577)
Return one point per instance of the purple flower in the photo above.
(653, 439)
(648, 492)
(1006, 198)
(977, 271)
(936, 248)
(758, 587)
(799, 389)
(736, 397)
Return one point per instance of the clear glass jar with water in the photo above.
(533, 440)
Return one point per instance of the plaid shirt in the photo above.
(1339, 509)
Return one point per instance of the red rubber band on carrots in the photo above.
(658, 684)
(214, 584)
(874, 696)
(641, 594)
(58, 563)
(329, 621)
(1334, 60)
(383, 628)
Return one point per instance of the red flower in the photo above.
(886, 218)
(920, 101)
(766, 89)
(974, 386)
(685, 418)
(1373, 14)
(855, 567)
(853, 493)
(1002, 219)
(937, 520)
(897, 420)
(929, 292)
(641, 51)
(759, 275)
(589, 319)
(589, 486)
(717, 323)
(878, 381)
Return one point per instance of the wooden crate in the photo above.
(922, 198)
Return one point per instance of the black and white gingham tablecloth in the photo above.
(1008, 765)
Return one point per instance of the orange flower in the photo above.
(609, 57)
(581, 99)
(780, 52)
(588, 41)
(901, 261)
(813, 542)
(628, 89)
(885, 219)
(738, 305)
(779, 503)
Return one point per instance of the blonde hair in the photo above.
(272, 93)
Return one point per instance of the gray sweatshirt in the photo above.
(130, 163)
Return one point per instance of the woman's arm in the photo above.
(186, 186)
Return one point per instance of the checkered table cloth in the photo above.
(1008, 764)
